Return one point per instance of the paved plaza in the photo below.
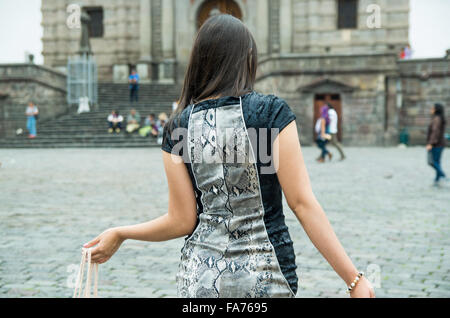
(392, 222)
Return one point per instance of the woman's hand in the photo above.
(106, 244)
(363, 289)
(429, 147)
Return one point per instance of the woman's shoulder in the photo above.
(265, 100)
(268, 110)
(181, 118)
(436, 121)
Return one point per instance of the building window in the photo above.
(96, 24)
(347, 14)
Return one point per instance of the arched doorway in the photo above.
(213, 7)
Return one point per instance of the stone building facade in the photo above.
(344, 52)
(156, 35)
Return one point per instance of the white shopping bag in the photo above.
(85, 292)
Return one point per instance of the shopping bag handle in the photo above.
(79, 292)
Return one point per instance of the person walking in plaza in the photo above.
(333, 130)
(222, 198)
(32, 113)
(133, 121)
(133, 80)
(115, 122)
(323, 137)
(436, 141)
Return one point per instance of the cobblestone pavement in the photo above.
(392, 222)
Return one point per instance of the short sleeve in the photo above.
(168, 143)
(282, 114)
(175, 136)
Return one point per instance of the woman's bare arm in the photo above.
(178, 222)
(296, 186)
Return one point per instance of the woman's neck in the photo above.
(209, 98)
(217, 97)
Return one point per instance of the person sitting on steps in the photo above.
(115, 122)
(133, 121)
(150, 127)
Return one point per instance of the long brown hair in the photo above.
(223, 62)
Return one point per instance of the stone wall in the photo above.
(157, 35)
(315, 28)
(255, 14)
(301, 52)
(359, 80)
(381, 96)
(118, 46)
(22, 83)
(423, 83)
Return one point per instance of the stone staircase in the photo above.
(89, 130)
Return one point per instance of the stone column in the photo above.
(286, 26)
(184, 35)
(120, 67)
(144, 65)
(262, 35)
(274, 26)
(168, 28)
(167, 70)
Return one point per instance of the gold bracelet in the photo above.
(355, 282)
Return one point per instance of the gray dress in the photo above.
(229, 254)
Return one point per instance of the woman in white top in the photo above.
(115, 122)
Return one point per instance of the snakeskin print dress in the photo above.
(230, 253)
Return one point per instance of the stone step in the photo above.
(98, 127)
(125, 92)
(75, 145)
(49, 144)
(97, 115)
(75, 122)
(123, 112)
(82, 123)
(153, 90)
(73, 130)
(90, 129)
(142, 101)
(80, 139)
(103, 135)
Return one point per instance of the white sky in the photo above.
(21, 31)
